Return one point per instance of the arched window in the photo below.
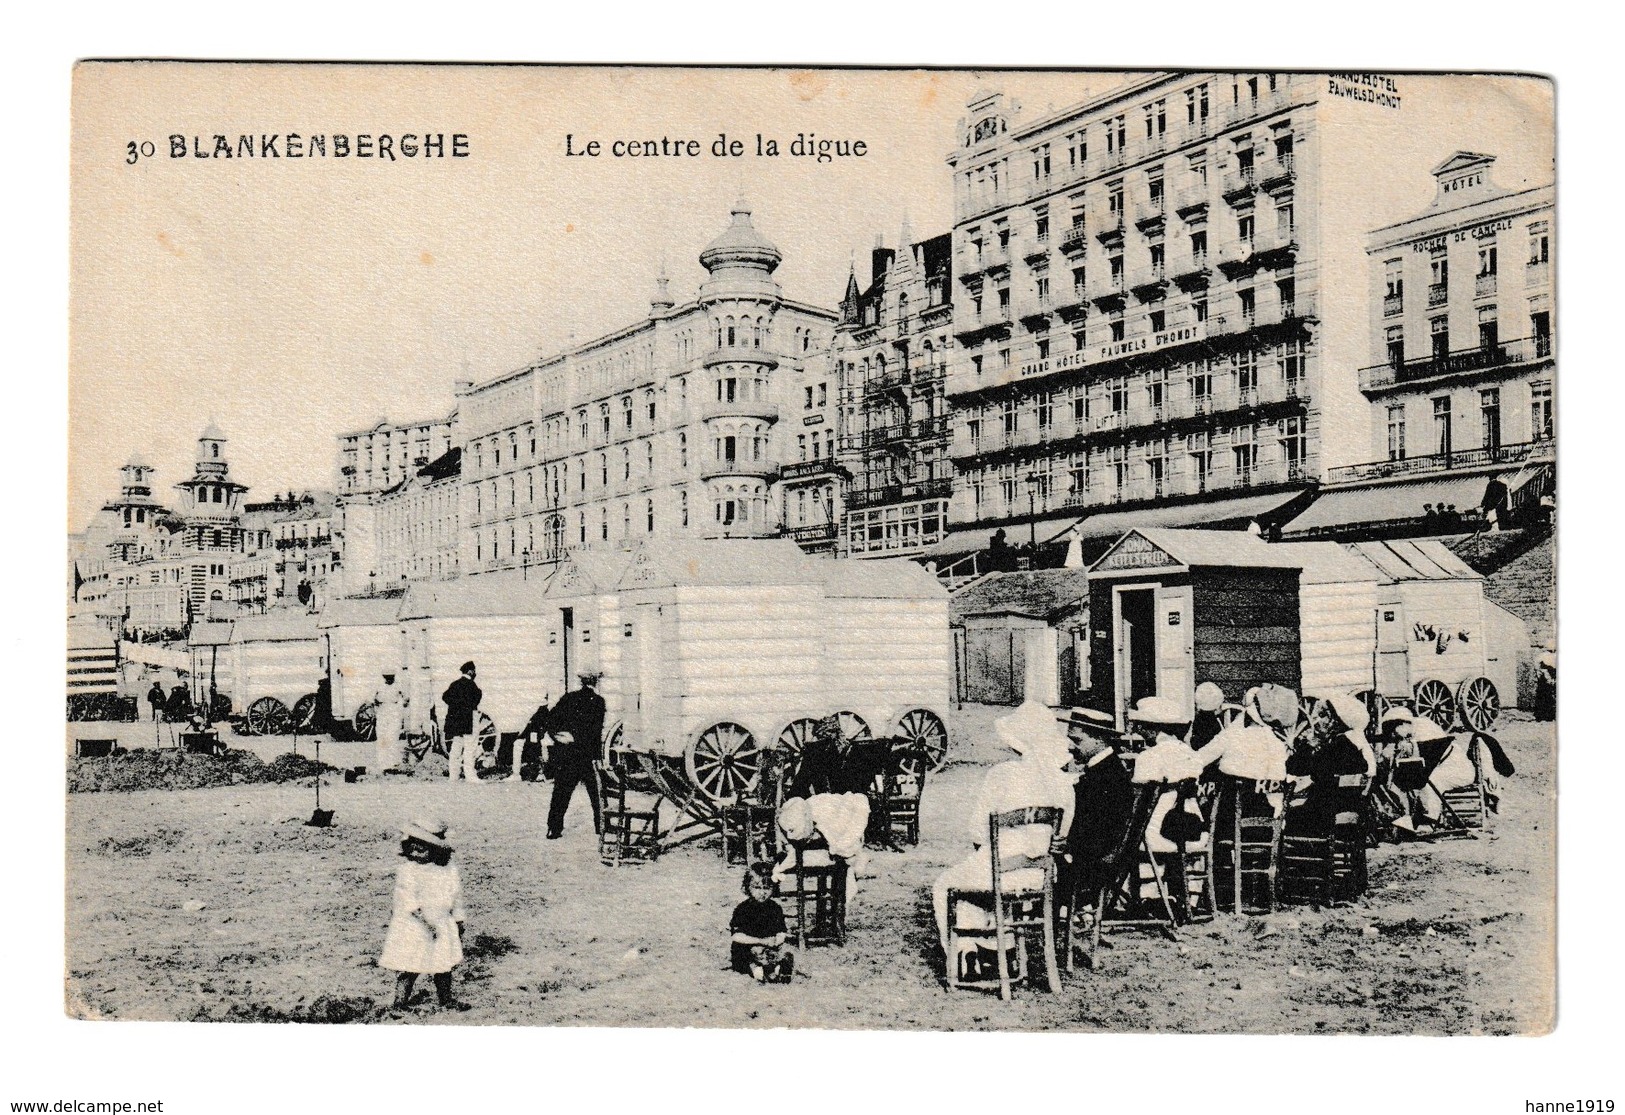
(682, 505)
(649, 516)
(582, 521)
(603, 524)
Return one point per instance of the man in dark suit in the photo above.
(462, 697)
(1104, 795)
(577, 728)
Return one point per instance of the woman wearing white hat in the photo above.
(1037, 778)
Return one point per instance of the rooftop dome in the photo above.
(741, 243)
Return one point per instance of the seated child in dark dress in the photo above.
(758, 930)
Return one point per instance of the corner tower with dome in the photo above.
(681, 424)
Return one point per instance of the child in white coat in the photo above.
(425, 934)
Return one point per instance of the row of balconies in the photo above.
(878, 495)
(1440, 462)
(1484, 286)
(1479, 358)
(1139, 413)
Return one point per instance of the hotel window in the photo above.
(1199, 310)
(1540, 328)
(1244, 449)
(1489, 413)
(1441, 425)
(603, 418)
(1199, 446)
(1155, 190)
(976, 366)
(1159, 256)
(1393, 278)
(626, 463)
(1439, 337)
(1077, 340)
(1201, 383)
(649, 516)
(1247, 377)
(823, 394)
(1116, 325)
(1156, 387)
(1438, 278)
(649, 406)
(1244, 229)
(1043, 354)
(1004, 359)
(1286, 291)
(1118, 393)
(1291, 356)
(1489, 330)
(1114, 201)
(1294, 446)
(1199, 171)
(1114, 267)
(1007, 488)
(1156, 463)
(801, 447)
(1117, 460)
(1077, 473)
(1394, 339)
(1487, 260)
(1540, 244)
(1540, 410)
(1246, 302)
(1010, 416)
(1157, 320)
(603, 469)
(1285, 220)
(648, 458)
(1004, 302)
(1396, 432)
(1041, 227)
(682, 449)
(1077, 284)
(603, 524)
(1041, 281)
(682, 506)
(978, 488)
(1199, 247)
(1080, 407)
(1041, 162)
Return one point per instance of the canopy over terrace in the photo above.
(1349, 510)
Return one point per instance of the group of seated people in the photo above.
(1309, 766)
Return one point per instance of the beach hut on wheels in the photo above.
(264, 667)
(722, 649)
(362, 638)
(1171, 608)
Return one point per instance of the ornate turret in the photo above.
(740, 299)
(211, 502)
(661, 303)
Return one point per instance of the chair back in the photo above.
(1048, 815)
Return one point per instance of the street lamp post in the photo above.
(1032, 513)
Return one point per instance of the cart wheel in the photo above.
(853, 726)
(304, 712)
(794, 740)
(724, 761)
(923, 729)
(1376, 707)
(366, 721)
(267, 717)
(1433, 700)
(220, 709)
(1479, 703)
(612, 740)
(487, 740)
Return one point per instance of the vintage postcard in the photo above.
(844, 549)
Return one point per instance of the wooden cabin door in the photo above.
(1392, 649)
(1176, 650)
(1135, 645)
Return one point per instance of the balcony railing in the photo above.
(741, 408)
(1439, 462)
(727, 354)
(1438, 294)
(1484, 285)
(1191, 200)
(1239, 182)
(1277, 172)
(1075, 241)
(1537, 273)
(1148, 213)
(766, 469)
(1473, 359)
(1107, 288)
(1109, 227)
(1393, 304)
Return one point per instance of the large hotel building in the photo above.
(674, 425)
(1139, 323)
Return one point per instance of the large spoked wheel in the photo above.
(794, 740)
(613, 739)
(853, 726)
(1376, 707)
(724, 762)
(418, 745)
(487, 740)
(1478, 703)
(1433, 700)
(304, 713)
(927, 734)
(267, 717)
(366, 721)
